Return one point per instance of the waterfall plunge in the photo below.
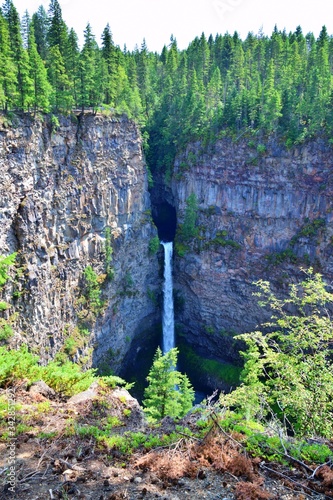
(168, 315)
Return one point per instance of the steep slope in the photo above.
(263, 212)
(60, 189)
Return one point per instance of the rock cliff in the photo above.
(61, 186)
(263, 212)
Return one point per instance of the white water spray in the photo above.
(168, 315)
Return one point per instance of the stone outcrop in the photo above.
(60, 188)
(261, 215)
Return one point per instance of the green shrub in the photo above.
(67, 378)
(189, 229)
(108, 254)
(316, 453)
(288, 372)
(181, 249)
(154, 244)
(6, 330)
(261, 149)
(18, 365)
(5, 264)
(267, 447)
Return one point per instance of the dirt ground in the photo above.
(53, 461)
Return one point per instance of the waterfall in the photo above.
(168, 316)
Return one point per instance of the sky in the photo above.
(156, 20)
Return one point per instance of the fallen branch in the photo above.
(68, 464)
(300, 485)
(313, 475)
(30, 476)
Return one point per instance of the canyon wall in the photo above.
(61, 186)
(263, 213)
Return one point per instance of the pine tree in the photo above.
(110, 56)
(88, 91)
(61, 96)
(8, 70)
(58, 32)
(20, 56)
(40, 23)
(38, 75)
(186, 393)
(73, 65)
(162, 396)
(271, 109)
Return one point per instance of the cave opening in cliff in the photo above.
(165, 219)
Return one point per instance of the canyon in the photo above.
(263, 212)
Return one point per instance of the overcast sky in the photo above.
(156, 20)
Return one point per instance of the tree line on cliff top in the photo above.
(279, 84)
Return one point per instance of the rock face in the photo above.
(260, 215)
(60, 189)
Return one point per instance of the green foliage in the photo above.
(288, 372)
(202, 93)
(93, 289)
(47, 435)
(67, 378)
(6, 331)
(169, 392)
(312, 228)
(221, 240)
(152, 296)
(275, 448)
(267, 447)
(112, 381)
(154, 244)
(5, 264)
(17, 365)
(189, 229)
(74, 341)
(261, 149)
(128, 441)
(277, 258)
(315, 453)
(181, 248)
(225, 372)
(309, 230)
(108, 254)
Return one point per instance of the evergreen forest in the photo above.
(264, 85)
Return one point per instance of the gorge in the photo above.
(63, 190)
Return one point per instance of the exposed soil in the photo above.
(66, 465)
